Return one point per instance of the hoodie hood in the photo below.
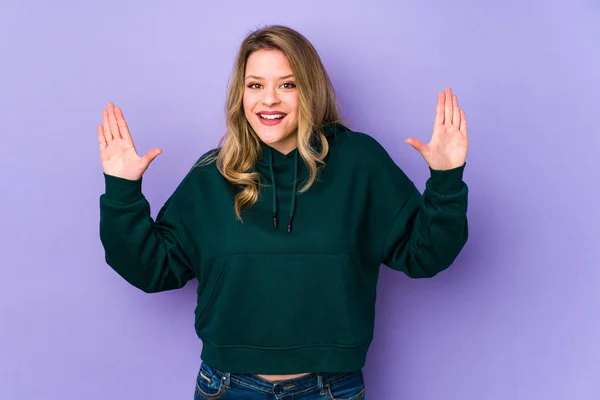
(283, 171)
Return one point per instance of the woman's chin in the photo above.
(278, 141)
(271, 136)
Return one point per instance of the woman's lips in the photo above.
(271, 122)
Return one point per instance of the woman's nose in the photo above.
(270, 96)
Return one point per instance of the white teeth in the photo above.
(274, 116)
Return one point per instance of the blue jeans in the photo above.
(213, 384)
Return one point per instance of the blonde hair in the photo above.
(240, 147)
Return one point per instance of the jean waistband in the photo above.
(285, 387)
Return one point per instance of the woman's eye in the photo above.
(286, 85)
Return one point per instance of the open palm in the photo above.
(449, 142)
(117, 151)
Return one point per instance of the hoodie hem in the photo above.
(279, 361)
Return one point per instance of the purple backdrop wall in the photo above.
(516, 317)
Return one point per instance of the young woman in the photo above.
(285, 226)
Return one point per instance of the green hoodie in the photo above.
(291, 289)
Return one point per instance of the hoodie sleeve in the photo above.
(146, 253)
(427, 231)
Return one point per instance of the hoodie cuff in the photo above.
(122, 190)
(448, 181)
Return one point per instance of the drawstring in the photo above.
(289, 230)
(274, 189)
(292, 206)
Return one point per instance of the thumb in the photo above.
(151, 155)
(416, 144)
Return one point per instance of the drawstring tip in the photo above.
(275, 220)
(290, 225)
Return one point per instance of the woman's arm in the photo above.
(147, 253)
(428, 231)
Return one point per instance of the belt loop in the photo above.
(320, 384)
(227, 379)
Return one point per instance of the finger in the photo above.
(114, 127)
(107, 133)
(455, 111)
(439, 110)
(101, 138)
(448, 107)
(151, 155)
(123, 128)
(417, 145)
(463, 123)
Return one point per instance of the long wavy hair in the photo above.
(240, 148)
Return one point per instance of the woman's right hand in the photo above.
(117, 151)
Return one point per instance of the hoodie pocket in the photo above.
(274, 300)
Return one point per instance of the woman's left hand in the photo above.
(449, 142)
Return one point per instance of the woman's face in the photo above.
(271, 99)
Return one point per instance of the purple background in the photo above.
(516, 317)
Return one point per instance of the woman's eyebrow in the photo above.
(260, 77)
